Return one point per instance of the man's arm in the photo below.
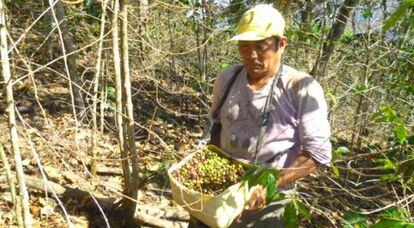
(301, 167)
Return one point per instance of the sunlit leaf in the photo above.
(290, 217)
(271, 189)
(398, 14)
(353, 218)
(110, 90)
(400, 133)
(331, 96)
(266, 177)
(335, 170)
(395, 213)
(394, 223)
(388, 178)
(387, 163)
(303, 210)
(224, 65)
(360, 89)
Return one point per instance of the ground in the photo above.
(62, 148)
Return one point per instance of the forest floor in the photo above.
(63, 148)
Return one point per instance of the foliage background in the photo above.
(176, 49)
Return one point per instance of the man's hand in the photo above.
(257, 200)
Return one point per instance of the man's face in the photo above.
(261, 57)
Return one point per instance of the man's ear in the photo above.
(283, 42)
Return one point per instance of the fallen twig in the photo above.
(145, 214)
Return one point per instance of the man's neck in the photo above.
(256, 83)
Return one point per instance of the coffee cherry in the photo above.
(210, 172)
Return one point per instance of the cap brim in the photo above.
(247, 36)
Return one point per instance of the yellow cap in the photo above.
(258, 23)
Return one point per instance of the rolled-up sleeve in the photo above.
(314, 129)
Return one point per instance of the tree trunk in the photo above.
(142, 26)
(10, 181)
(68, 46)
(197, 37)
(23, 195)
(119, 103)
(96, 87)
(336, 32)
(172, 65)
(206, 22)
(49, 46)
(132, 189)
(306, 15)
(361, 114)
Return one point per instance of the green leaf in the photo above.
(249, 173)
(353, 218)
(110, 90)
(388, 113)
(303, 210)
(335, 169)
(360, 89)
(387, 163)
(386, 222)
(395, 213)
(224, 65)
(406, 169)
(397, 15)
(289, 217)
(264, 176)
(259, 175)
(400, 133)
(334, 99)
(410, 140)
(366, 13)
(388, 178)
(271, 190)
(199, 85)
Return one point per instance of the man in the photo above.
(296, 136)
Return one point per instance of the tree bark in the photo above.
(10, 181)
(306, 15)
(335, 33)
(68, 46)
(119, 103)
(361, 116)
(6, 73)
(142, 26)
(206, 20)
(96, 87)
(132, 189)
